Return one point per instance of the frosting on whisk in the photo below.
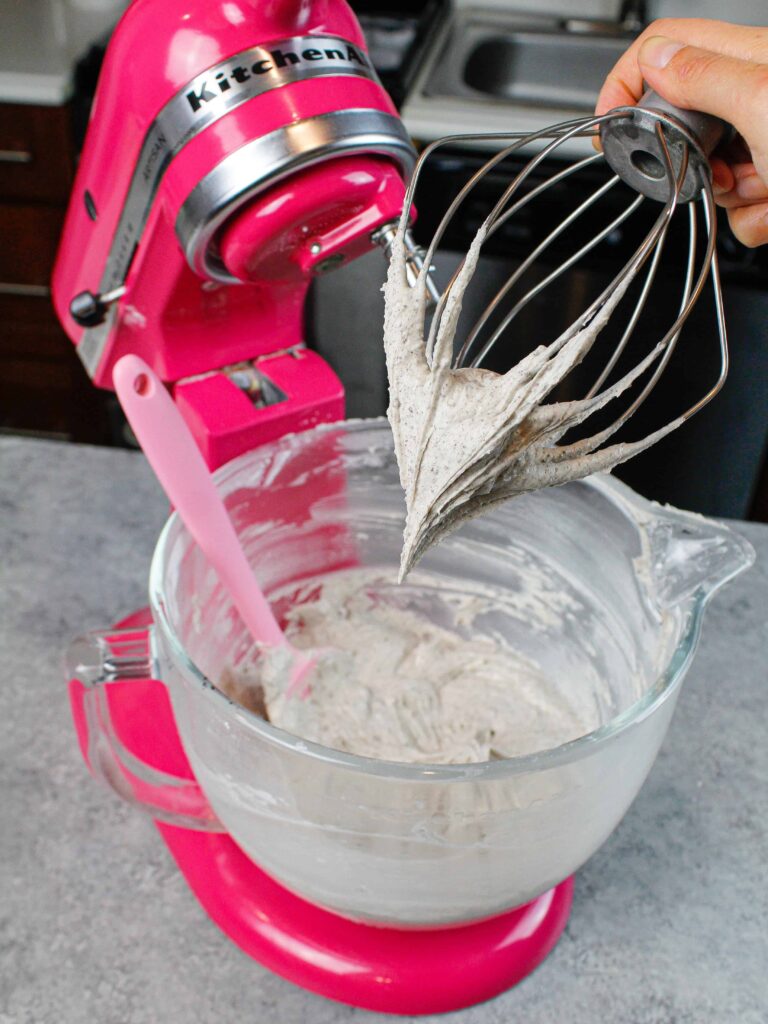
(467, 438)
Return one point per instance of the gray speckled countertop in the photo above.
(670, 920)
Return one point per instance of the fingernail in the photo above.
(658, 51)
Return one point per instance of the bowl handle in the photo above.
(96, 661)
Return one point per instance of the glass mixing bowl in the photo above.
(606, 593)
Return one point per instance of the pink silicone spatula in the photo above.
(184, 476)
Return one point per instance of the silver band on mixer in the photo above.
(265, 160)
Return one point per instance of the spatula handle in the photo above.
(181, 469)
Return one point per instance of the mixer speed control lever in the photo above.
(89, 309)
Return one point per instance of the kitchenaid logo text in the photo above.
(238, 76)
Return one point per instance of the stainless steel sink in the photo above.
(542, 68)
(529, 61)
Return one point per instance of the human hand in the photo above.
(719, 69)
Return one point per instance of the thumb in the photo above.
(697, 79)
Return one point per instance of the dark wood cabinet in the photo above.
(30, 234)
(36, 153)
(44, 389)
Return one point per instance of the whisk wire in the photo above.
(710, 215)
(501, 220)
(632, 266)
(558, 272)
(543, 186)
(677, 172)
(667, 344)
(569, 129)
(635, 316)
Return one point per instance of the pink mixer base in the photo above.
(384, 969)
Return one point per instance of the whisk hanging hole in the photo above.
(647, 164)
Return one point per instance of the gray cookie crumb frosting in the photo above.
(391, 683)
(468, 438)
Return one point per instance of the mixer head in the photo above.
(236, 150)
(661, 153)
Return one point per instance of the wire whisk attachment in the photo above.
(662, 154)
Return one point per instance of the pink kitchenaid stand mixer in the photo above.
(236, 150)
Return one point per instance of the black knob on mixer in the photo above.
(90, 309)
(87, 309)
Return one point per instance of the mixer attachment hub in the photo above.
(633, 146)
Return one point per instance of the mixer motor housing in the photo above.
(236, 150)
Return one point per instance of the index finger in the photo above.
(624, 84)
